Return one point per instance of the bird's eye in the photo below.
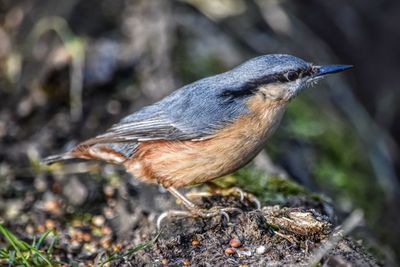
(292, 75)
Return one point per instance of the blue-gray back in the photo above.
(200, 108)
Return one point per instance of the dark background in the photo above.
(69, 69)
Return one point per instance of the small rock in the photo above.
(50, 224)
(106, 230)
(29, 229)
(98, 220)
(261, 250)
(89, 248)
(41, 228)
(235, 243)
(13, 209)
(86, 237)
(53, 206)
(230, 251)
(244, 252)
(195, 242)
(105, 242)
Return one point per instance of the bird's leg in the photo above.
(215, 189)
(186, 202)
(193, 209)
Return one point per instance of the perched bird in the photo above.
(206, 129)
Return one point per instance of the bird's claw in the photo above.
(226, 192)
(244, 195)
(215, 211)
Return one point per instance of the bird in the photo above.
(206, 129)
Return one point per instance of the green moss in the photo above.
(268, 189)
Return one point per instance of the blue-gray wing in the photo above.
(192, 112)
(157, 126)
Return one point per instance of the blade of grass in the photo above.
(40, 254)
(20, 246)
(3, 253)
(12, 240)
(41, 239)
(11, 257)
(115, 256)
(51, 246)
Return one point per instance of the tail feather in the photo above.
(55, 158)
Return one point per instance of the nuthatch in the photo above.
(206, 129)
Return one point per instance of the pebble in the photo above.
(235, 243)
(261, 250)
(52, 206)
(98, 220)
(244, 252)
(86, 237)
(30, 229)
(195, 242)
(50, 224)
(106, 242)
(230, 251)
(106, 230)
(41, 228)
(90, 248)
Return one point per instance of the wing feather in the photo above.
(156, 127)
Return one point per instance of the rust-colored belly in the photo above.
(180, 163)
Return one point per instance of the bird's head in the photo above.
(279, 77)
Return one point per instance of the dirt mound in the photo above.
(270, 236)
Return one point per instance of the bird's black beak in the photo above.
(323, 70)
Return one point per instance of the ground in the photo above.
(100, 222)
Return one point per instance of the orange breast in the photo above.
(180, 163)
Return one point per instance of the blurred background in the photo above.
(70, 69)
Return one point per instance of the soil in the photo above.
(261, 238)
(100, 222)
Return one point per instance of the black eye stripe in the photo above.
(299, 73)
(287, 76)
(251, 87)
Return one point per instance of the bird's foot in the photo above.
(214, 211)
(226, 192)
(198, 212)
